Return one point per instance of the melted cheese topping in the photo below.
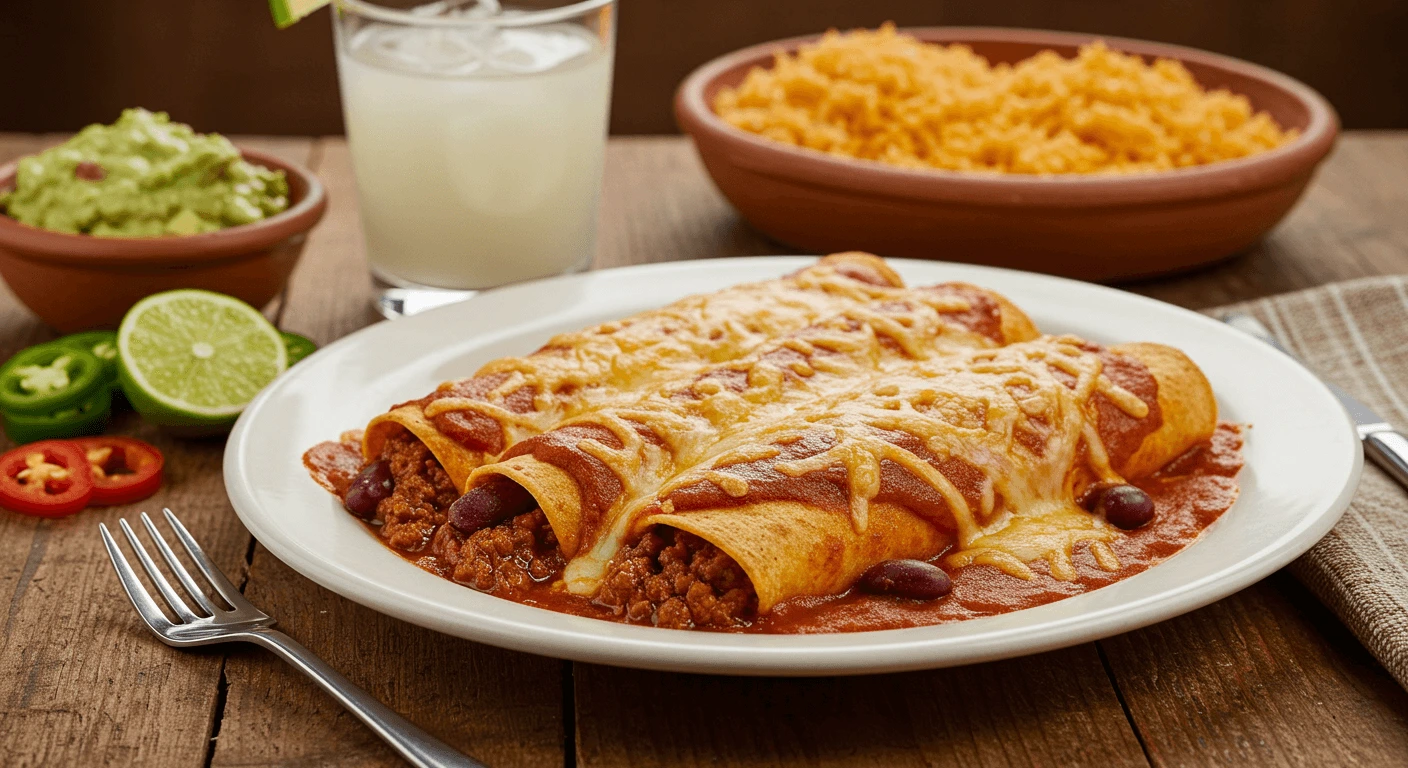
(984, 408)
(582, 369)
(691, 419)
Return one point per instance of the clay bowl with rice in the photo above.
(1128, 217)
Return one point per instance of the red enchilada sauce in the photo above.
(517, 559)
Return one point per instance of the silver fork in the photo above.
(243, 622)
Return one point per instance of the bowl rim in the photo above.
(244, 239)
(764, 156)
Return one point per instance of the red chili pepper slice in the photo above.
(50, 478)
(124, 470)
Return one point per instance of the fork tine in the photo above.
(212, 573)
(182, 574)
(162, 585)
(137, 593)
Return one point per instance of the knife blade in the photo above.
(1384, 445)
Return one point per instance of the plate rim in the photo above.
(593, 640)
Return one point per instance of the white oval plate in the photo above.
(1303, 463)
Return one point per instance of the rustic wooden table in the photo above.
(1267, 676)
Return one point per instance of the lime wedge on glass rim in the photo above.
(191, 358)
(286, 12)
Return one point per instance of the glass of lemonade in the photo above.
(477, 132)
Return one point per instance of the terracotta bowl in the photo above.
(78, 282)
(1089, 227)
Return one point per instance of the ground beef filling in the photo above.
(669, 578)
(423, 491)
(677, 580)
(504, 559)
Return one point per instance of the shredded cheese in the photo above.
(1027, 511)
(696, 418)
(575, 372)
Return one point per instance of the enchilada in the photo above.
(985, 455)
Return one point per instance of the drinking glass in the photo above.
(477, 132)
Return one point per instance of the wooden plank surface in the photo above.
(1055, 709)
(1265, 677)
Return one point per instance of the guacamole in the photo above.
(143, 176)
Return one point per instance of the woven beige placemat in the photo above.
(1355, 334)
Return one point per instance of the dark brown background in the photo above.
(221, 64)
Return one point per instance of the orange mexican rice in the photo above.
(883, 95)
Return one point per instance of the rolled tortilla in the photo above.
(855, 487)
(1185, 400)
(621, 453)
(464, 422)
(787, 549)
(457, 460)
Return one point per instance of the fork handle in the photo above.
(418, 747)
(1389, 450)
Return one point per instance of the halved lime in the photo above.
(286, 12)
(192, 358)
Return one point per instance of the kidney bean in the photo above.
(914, 579)
(368, 488)
(496, 500)
(1125, 506)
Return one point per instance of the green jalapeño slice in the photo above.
(87, 418)
(103, 345)
(49, 378)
